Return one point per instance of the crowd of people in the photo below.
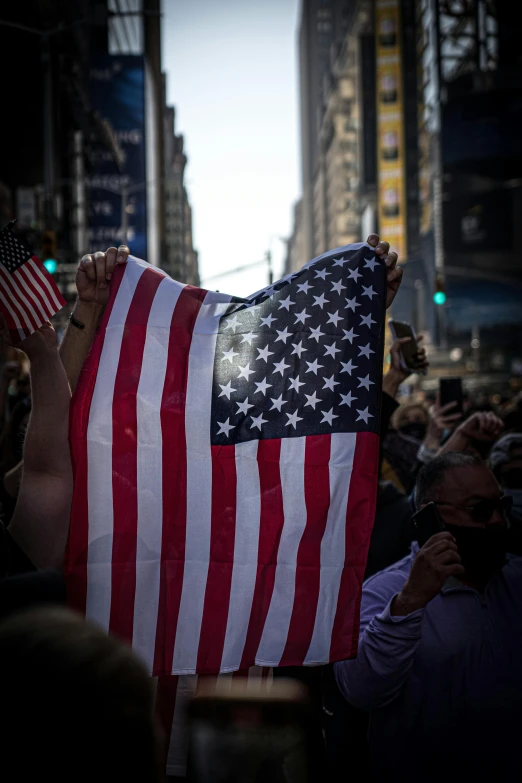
(435, 692)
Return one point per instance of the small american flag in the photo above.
(28, 294)
(226, 462)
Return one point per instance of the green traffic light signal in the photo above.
(51, 265)
(439, 297)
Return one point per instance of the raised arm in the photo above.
(41, 517)
(92, 281)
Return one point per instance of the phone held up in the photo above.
(249, 730)
(400, 329)
(426, 523)
(450, 390)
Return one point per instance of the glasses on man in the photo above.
(482, 511)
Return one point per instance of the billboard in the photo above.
(117, 84)
(390, 126)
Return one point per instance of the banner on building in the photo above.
(118, 96)
(390, 126)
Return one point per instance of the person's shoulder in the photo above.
(391, 575)
(513, 567)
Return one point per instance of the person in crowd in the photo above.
(36, 536)
(76, 703)
(438, 665)
(11, 451)
(506, 464)
(10, 373)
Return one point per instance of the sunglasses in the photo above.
(482, 511)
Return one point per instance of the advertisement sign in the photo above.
(118, 95)
(390, 126)
(479, 222)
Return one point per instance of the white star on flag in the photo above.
(293, 418)
(315, 334)
(351, 304)
(347, 399)
(348, 366)
(245, 372)
(314, 366)
(278, 403)
(312, 400)
(232, 323)
(329, 383)
(339, 261)
(264, 353)
(364, 415)
(302, 316)
(370, 263)
(285, 303)
(320, 301)
(243, 407)
(365, 350)
(366, 320)
(226, 390)
(295, 383)
(229, 355)
(366, 382)
(338, 287)
(349, 334)
(281, 366)
(248, 337)
(303, 288)
(368, 291)
(322, 273)
(334, 318)
(331, 350)
(262, 386)
(354, 274)
(298, 348)
(225, 427)
(258, 421)
(282, 335)
(328, 416)
(268, 320)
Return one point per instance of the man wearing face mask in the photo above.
(438, 665)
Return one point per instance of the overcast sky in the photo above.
(232, 76)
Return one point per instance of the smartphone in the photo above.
(246, 733)
(426, 523)
(450, 390)
(401, 329)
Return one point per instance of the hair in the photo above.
(432, 475)
(400, 413)
(75, 702)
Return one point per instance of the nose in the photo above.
(498, 519)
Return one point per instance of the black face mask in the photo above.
(482, 549)
(415, 429)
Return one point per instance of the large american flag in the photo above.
(28, 294)
(226, 460)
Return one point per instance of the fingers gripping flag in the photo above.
(28, 294)
(226, 462)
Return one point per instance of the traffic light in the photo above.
(439, 295)
(48, 251)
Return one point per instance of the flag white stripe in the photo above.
(20, 284)
(17, 302)
(21, 330)
(275, 632)
(99, 457)
(149, 470)
(198, 408)
(20, 275)
(332, 546)
(52, 298)
(246, 545)
(177, 756)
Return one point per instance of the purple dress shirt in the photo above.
(443, 684)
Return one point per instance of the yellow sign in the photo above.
(390, 127)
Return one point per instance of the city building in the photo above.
(181, 259)
(294, 246)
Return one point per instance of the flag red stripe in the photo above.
(219, 579)
(360, 516)
(15, 292)
(41, 301)
(308, 564)
(174, 467)
(10, 321)
(270, 529)
(125, 456)
(49, 287)
(77, 544)
(6, 284)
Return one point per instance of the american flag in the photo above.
(226, 460)
(28, 294)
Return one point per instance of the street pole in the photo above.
(48, 133)
(270, 270)
(124, 214)
(419, 288)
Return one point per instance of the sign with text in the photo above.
(118, 95)
(390, 130)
